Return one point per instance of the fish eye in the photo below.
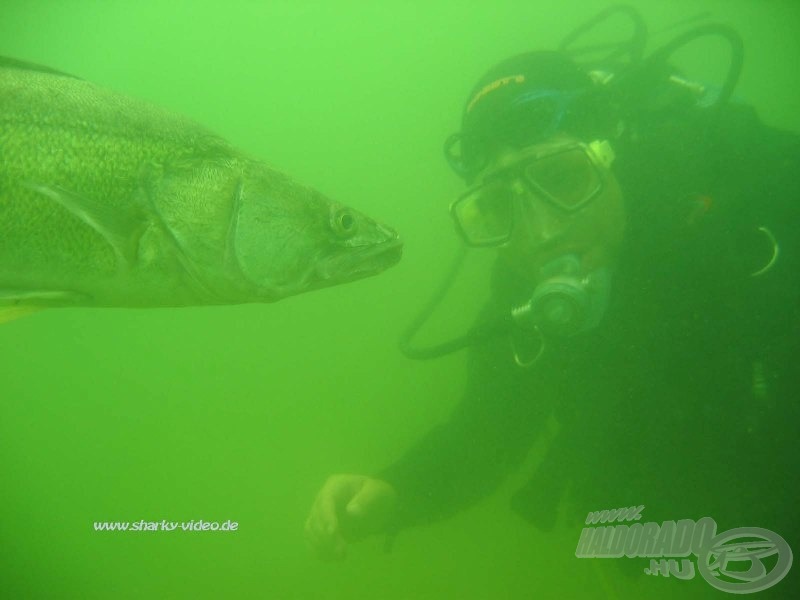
(344, 223)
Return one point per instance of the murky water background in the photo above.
(241, 412)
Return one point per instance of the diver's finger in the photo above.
(316, 525)
(334, 548)
(368, 496)
(325, 547)
(325, 513)
(371, 509)
(337, 492)
(319, 524)
(313, 531)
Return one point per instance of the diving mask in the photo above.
(567, 175)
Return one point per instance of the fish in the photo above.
(110, 201)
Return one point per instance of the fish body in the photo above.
(106, 200)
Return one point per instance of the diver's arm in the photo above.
(464, 459)
(453, 466)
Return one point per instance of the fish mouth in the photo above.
(358, 263)
(339, 268)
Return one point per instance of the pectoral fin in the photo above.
(122, 229)
(38, 297)
(11, 313)
(16, 303)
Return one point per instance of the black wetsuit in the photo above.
(686, 399)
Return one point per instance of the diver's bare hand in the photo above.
(346, 509)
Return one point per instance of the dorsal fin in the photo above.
(7, 62)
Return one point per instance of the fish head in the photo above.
(287, 238)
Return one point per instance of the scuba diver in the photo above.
(644, 300)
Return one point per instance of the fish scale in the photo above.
(106, 200)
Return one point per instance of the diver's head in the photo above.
(525, 100)
(535, 148)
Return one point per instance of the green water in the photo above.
(241, 412)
